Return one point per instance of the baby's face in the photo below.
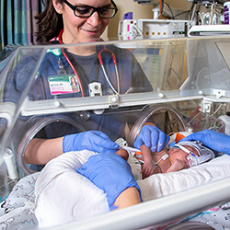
(182, 155)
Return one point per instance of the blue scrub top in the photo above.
(131, 77)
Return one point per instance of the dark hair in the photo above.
(49, 22)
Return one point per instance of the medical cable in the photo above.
(71, 65)
(164, 157)
(154, 164)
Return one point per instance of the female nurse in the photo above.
(79, 21)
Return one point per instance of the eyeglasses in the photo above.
(87, 11)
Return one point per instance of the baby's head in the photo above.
(191, 152)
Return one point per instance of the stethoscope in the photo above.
(115, 66)
(99, 55)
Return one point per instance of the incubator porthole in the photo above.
(34, 130)
(164, 116)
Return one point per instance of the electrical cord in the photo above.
(184, 12)
(170, 10)
(162, 3)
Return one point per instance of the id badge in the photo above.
(63, 84)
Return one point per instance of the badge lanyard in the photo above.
(71, 65)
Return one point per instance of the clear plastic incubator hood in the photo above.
(179, 84)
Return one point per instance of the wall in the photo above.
(179, 4)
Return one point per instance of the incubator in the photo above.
(180, 84)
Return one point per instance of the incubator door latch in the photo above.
(219, 93)
(205, 106)
(114, 101)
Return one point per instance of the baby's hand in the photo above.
(176, 166)
(147, 170)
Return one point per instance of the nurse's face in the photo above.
(80, 30)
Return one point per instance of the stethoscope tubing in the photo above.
(101, 64)
(115, 66)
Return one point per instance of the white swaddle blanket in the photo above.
(62, 195)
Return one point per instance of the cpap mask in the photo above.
(205, 154)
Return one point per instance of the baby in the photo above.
(174, 158)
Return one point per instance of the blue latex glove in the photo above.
(109, 172)
(91, 140)
(152, 137)
(217, 141)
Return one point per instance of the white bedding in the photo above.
(62, 195)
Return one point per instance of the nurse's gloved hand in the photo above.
(111, 173)
(152, 137)
(91, 140)
(217, 141)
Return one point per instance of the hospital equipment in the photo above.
(190, 79)
(207, 12)
(130, 29)
(161, 26)
(209, 30)
(203, 18)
